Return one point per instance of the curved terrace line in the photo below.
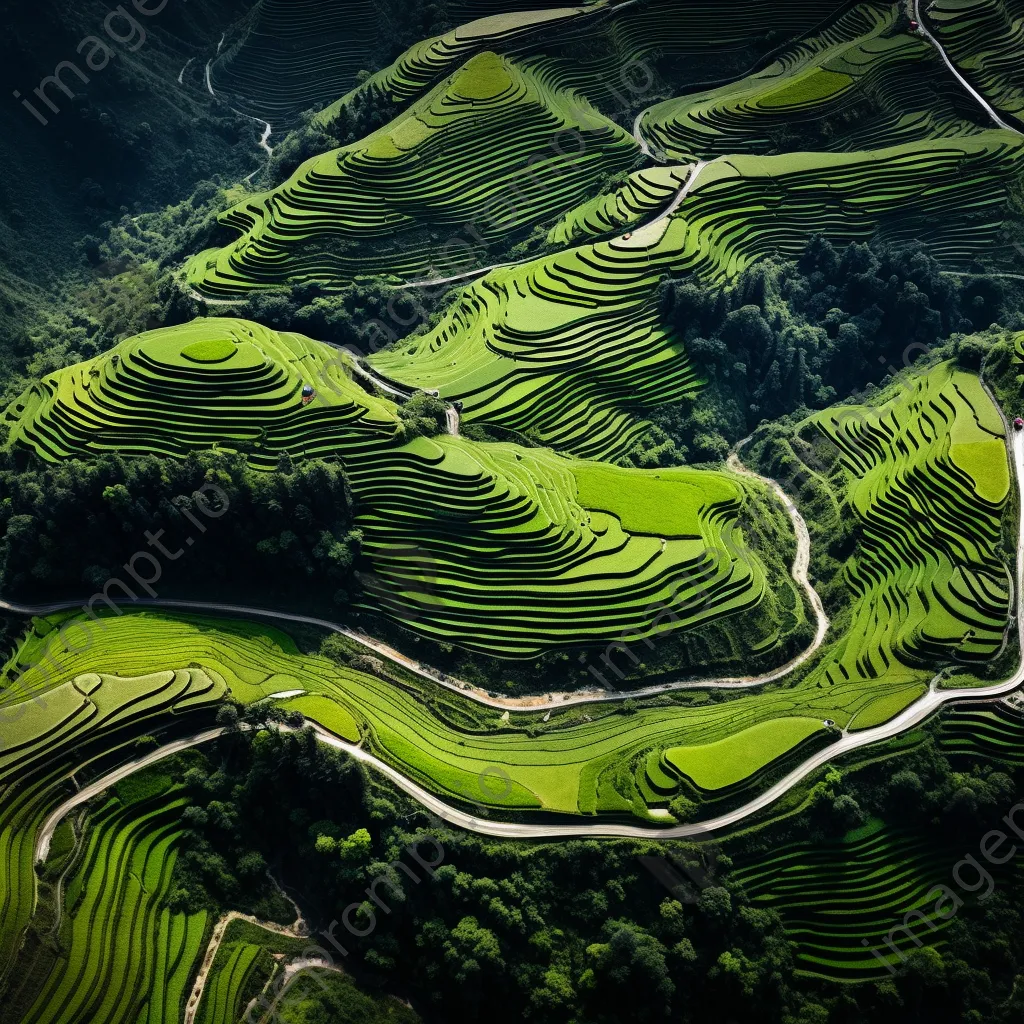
(907, 719)
(537, 702)
(294, 930)
(988, 108)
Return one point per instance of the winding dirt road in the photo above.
(988, 108)
(638, 137)
(296, 930)
(849, 741)
(538, 702)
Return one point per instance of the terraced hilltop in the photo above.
(861, 84)
(579, 550)
(212, 382)
(620, 559)
(445, 162)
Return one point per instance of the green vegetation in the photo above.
(584, 927)
(864, 82)
(728, 761)
(452, 533)
(984, 37)
(450, 159)
(408, 77)
(668, 503)
(215, 383)
(293, 527)
(211, 350)
(127, 956)
(246, 960)
(905, 459)
(566, 349)
(713, 225)
(439, 738)
(590, 47)
(639, 196)
(320, 992)
(53, 728)
(923, 578)
(230, 976)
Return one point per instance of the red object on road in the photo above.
(1018, 423)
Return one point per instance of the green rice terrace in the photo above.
(579, 550)
(447, 161)
(983, 38)
(568, 347)
(903, 468)
(925, 473)
(857, 75)
(665, 565)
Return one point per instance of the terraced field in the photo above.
(924, 470)
(602, 49)
(214, 383)
(223, 1002)
(984, 38)
(446, 161)
(619, 763)
(491, 146)
(755, 129)
(424, 63)
(926, 476)
(597, 762)
(568, 349)
(640, 196)
(497, 548)
(288, 55)
(844, 902)
(125, 956)
(840, 900)
(864, 82)
(515, 551)
(995, 733)
(55, 720)
(562, 350)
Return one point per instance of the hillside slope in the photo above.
(491, 150)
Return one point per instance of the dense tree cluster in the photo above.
(579, 932)
(791, 335)
(575, 931)
(67, 529)
(366, 110)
